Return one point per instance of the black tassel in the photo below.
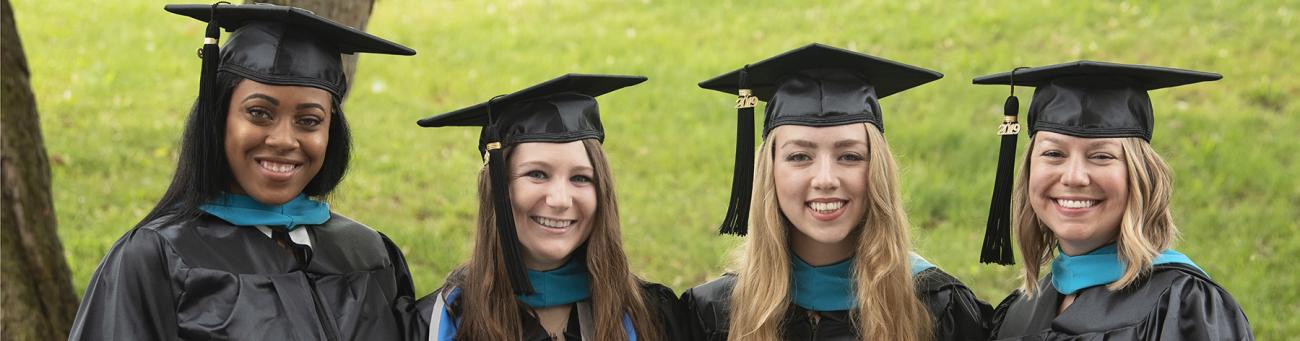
(504, 212)
(742, 179)
(997, 236)
(211, 55)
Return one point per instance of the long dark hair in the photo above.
(490, 310)
(203, 173)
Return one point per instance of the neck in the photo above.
(1082, 247)
(545, 265)
(817, 253)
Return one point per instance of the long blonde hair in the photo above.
(887, 307)
(488, 305)
(1146, 228)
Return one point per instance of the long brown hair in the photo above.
(489, 310)
(887, 307)
(1146, 228)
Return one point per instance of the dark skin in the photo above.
(275, 139)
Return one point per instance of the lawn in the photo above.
(114, 81)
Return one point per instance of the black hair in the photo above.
(203, 173)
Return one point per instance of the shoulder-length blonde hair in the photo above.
(887, 307)
(1146, 228)
(489, 310)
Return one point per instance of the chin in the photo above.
(273, 198)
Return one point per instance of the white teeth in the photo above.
(825, 207)
(277, 167)
(553, 223)
(1075, 203)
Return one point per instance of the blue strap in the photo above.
(242, 210)
(1101, 267)
(919, 264)
(445, 329)
(564, 285)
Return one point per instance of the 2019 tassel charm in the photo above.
(997, 234)
(737, 219)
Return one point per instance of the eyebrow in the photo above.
(1090, 144)
(809, 144)
(800, 143)
(545, 165)
(262, 97)
(303, 106)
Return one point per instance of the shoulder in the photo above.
(957, 312)
(712, 298)
(934, 279)
(939, 290)
(346, 234)
(708, 306)
(717, 291)
(658, 293)
(1191, 286)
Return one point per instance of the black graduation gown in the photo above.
(957, 314)
(1175, 303)
(206, 279)
(663, 303)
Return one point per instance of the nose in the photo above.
(281, 137)
(558, 196)
(824, 178)
(1076, 173)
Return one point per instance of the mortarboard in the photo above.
(282, 45)
(1083, 99)
(559, 110)
(814, 85)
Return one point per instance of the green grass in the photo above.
(114, 83)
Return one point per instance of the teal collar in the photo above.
(830, 287)
(1100, 267)
(566, 284)
(243, 210)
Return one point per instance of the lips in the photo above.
(278, 169)
(1077, 203)
(552, 223)
(826, 209)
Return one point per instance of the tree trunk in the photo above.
(354, 13)
(36, 285)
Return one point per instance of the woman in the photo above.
(1095, 193)
(548, 261)
(239, 247)
(829, 257)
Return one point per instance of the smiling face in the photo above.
(553, 192)
(821, 187)
(275, 139)
(1078, 187)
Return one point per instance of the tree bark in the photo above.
(36, 285)
(354, 13)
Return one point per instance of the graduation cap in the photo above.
(559, 110)
(815, 85)
(278, 45)
(1083, 99)
(284, 45)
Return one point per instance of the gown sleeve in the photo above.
(999, 314)
(130, 296)
(668, 310)
(957, 313)
(1200, 310)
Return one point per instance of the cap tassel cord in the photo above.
(742, 180)
(504, 212)
(210, 53)
(997, 235)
